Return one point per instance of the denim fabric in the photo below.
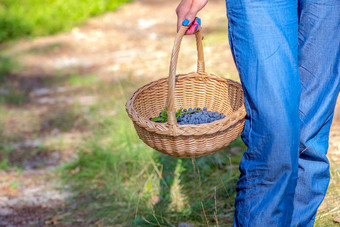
(287, 54)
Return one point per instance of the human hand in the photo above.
(186, 14)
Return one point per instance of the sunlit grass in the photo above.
(81, 80)
(331, 208)
(120, 180)
(41, 17)
(7, 65)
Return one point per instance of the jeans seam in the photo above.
(231, 34)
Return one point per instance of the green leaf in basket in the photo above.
(178, 113)
(164, 114)
(158, 119)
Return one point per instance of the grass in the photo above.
(64, 119)
(13, 95)
(7, 65)
(42, 17)
(5, 150)
(331, 207)
(117, 179)
(81, 80)
(8, 92)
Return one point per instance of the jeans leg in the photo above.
(263, 36)
(319, 67)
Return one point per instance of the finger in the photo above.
(196, 6)
(194, 27)
(182, 10)
(198, 28)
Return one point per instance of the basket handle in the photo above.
(172, 73)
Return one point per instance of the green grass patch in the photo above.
(82, 80)
(44, 17)
(7, 65)
(5, 151)
(65, 119)
(9, 93)
(12, 95)
(117, 179)
(15, 156)
(330, 207)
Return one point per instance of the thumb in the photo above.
(190, 16)
(195, 26)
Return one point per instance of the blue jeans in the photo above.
(287, 54)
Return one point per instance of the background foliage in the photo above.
(26, 18)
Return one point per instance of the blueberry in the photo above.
(185, 110)
(190, 109)
(205, 108)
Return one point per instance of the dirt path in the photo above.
(118, 44)
(134, 41)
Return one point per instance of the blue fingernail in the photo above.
(198, 20)
(185, 22)
(196, 27)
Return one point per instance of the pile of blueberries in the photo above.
(201, 116)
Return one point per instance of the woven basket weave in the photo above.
(196, 89)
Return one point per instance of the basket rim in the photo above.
(188, 129)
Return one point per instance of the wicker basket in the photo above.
(196, 89)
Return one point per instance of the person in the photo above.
(287, 54)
